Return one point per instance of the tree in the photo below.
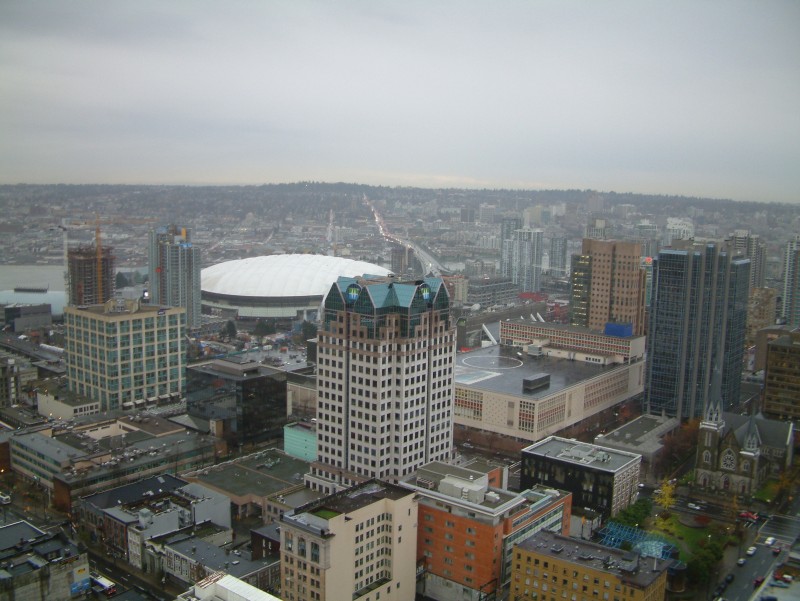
(665, 495)
(230, 330)
(121, 281)
(262, 328)
(308, 330)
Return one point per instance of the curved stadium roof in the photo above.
(282, 275)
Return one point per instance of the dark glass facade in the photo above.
(698, 317)
(249, 401)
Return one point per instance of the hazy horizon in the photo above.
(695, 99)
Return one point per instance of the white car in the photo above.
(770, 541)
(693, 506)
(751, 551)
(4, 499)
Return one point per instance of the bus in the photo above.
(103, 585)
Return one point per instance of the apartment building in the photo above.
(550, 567)
(354, 545)
(123, 353)
(608, 285)
(469, 523)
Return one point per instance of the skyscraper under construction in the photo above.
(90, 275)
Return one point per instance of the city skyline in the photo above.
(686, 98)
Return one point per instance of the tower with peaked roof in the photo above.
(385, 357)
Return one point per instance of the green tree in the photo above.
(308, 330)
(262, 328)
(121, 280)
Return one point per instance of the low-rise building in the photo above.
(40, 566)
(600, 478)
(99, 452)
(550, 566)
(468, 525)
(224, 587)
(149, 512)
(54, 401)
(356, 544)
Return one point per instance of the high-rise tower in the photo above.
(791, 282)
(90, 275)
(526, 260)
(697, 320)
(507, 228)
(752, 247)
(175, 271)
(385, 356)
(608, 285)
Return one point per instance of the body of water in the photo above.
(41, 276)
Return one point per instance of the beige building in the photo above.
(355, 545)
(550, 566)
(609, 286)
(125, 354)
(543, 378)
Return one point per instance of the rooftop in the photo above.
(627, 566)
(580, 453)
(217, 558)
(135, 491)
(500, 369)
(315, 514)
(643, 433)
(262, 474)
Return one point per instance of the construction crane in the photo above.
(98, 245)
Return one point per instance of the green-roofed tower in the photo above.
(386, 351)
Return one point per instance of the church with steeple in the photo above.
(738, 453)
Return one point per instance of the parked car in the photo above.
(741, 561)
(776, 550)
(758, 581)
(5, 499)
(751, 551)
(770, 541)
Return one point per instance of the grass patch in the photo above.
(768, 492)
(688, 538)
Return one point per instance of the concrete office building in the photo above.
(354, 545)
(125, 352)
(469, 523)
(697, 320)
(551, 566)
(782, 378)
(543, 378)
(600, 478)
(385, 361)
(608, 285)
(174, 263)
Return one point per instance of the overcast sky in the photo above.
(695, 98)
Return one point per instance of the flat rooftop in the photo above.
(581, 453)
(643, 433)
(262, 475)
(639, 571)
(502, 369)
(351, 499)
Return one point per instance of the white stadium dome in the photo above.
(276, 285)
